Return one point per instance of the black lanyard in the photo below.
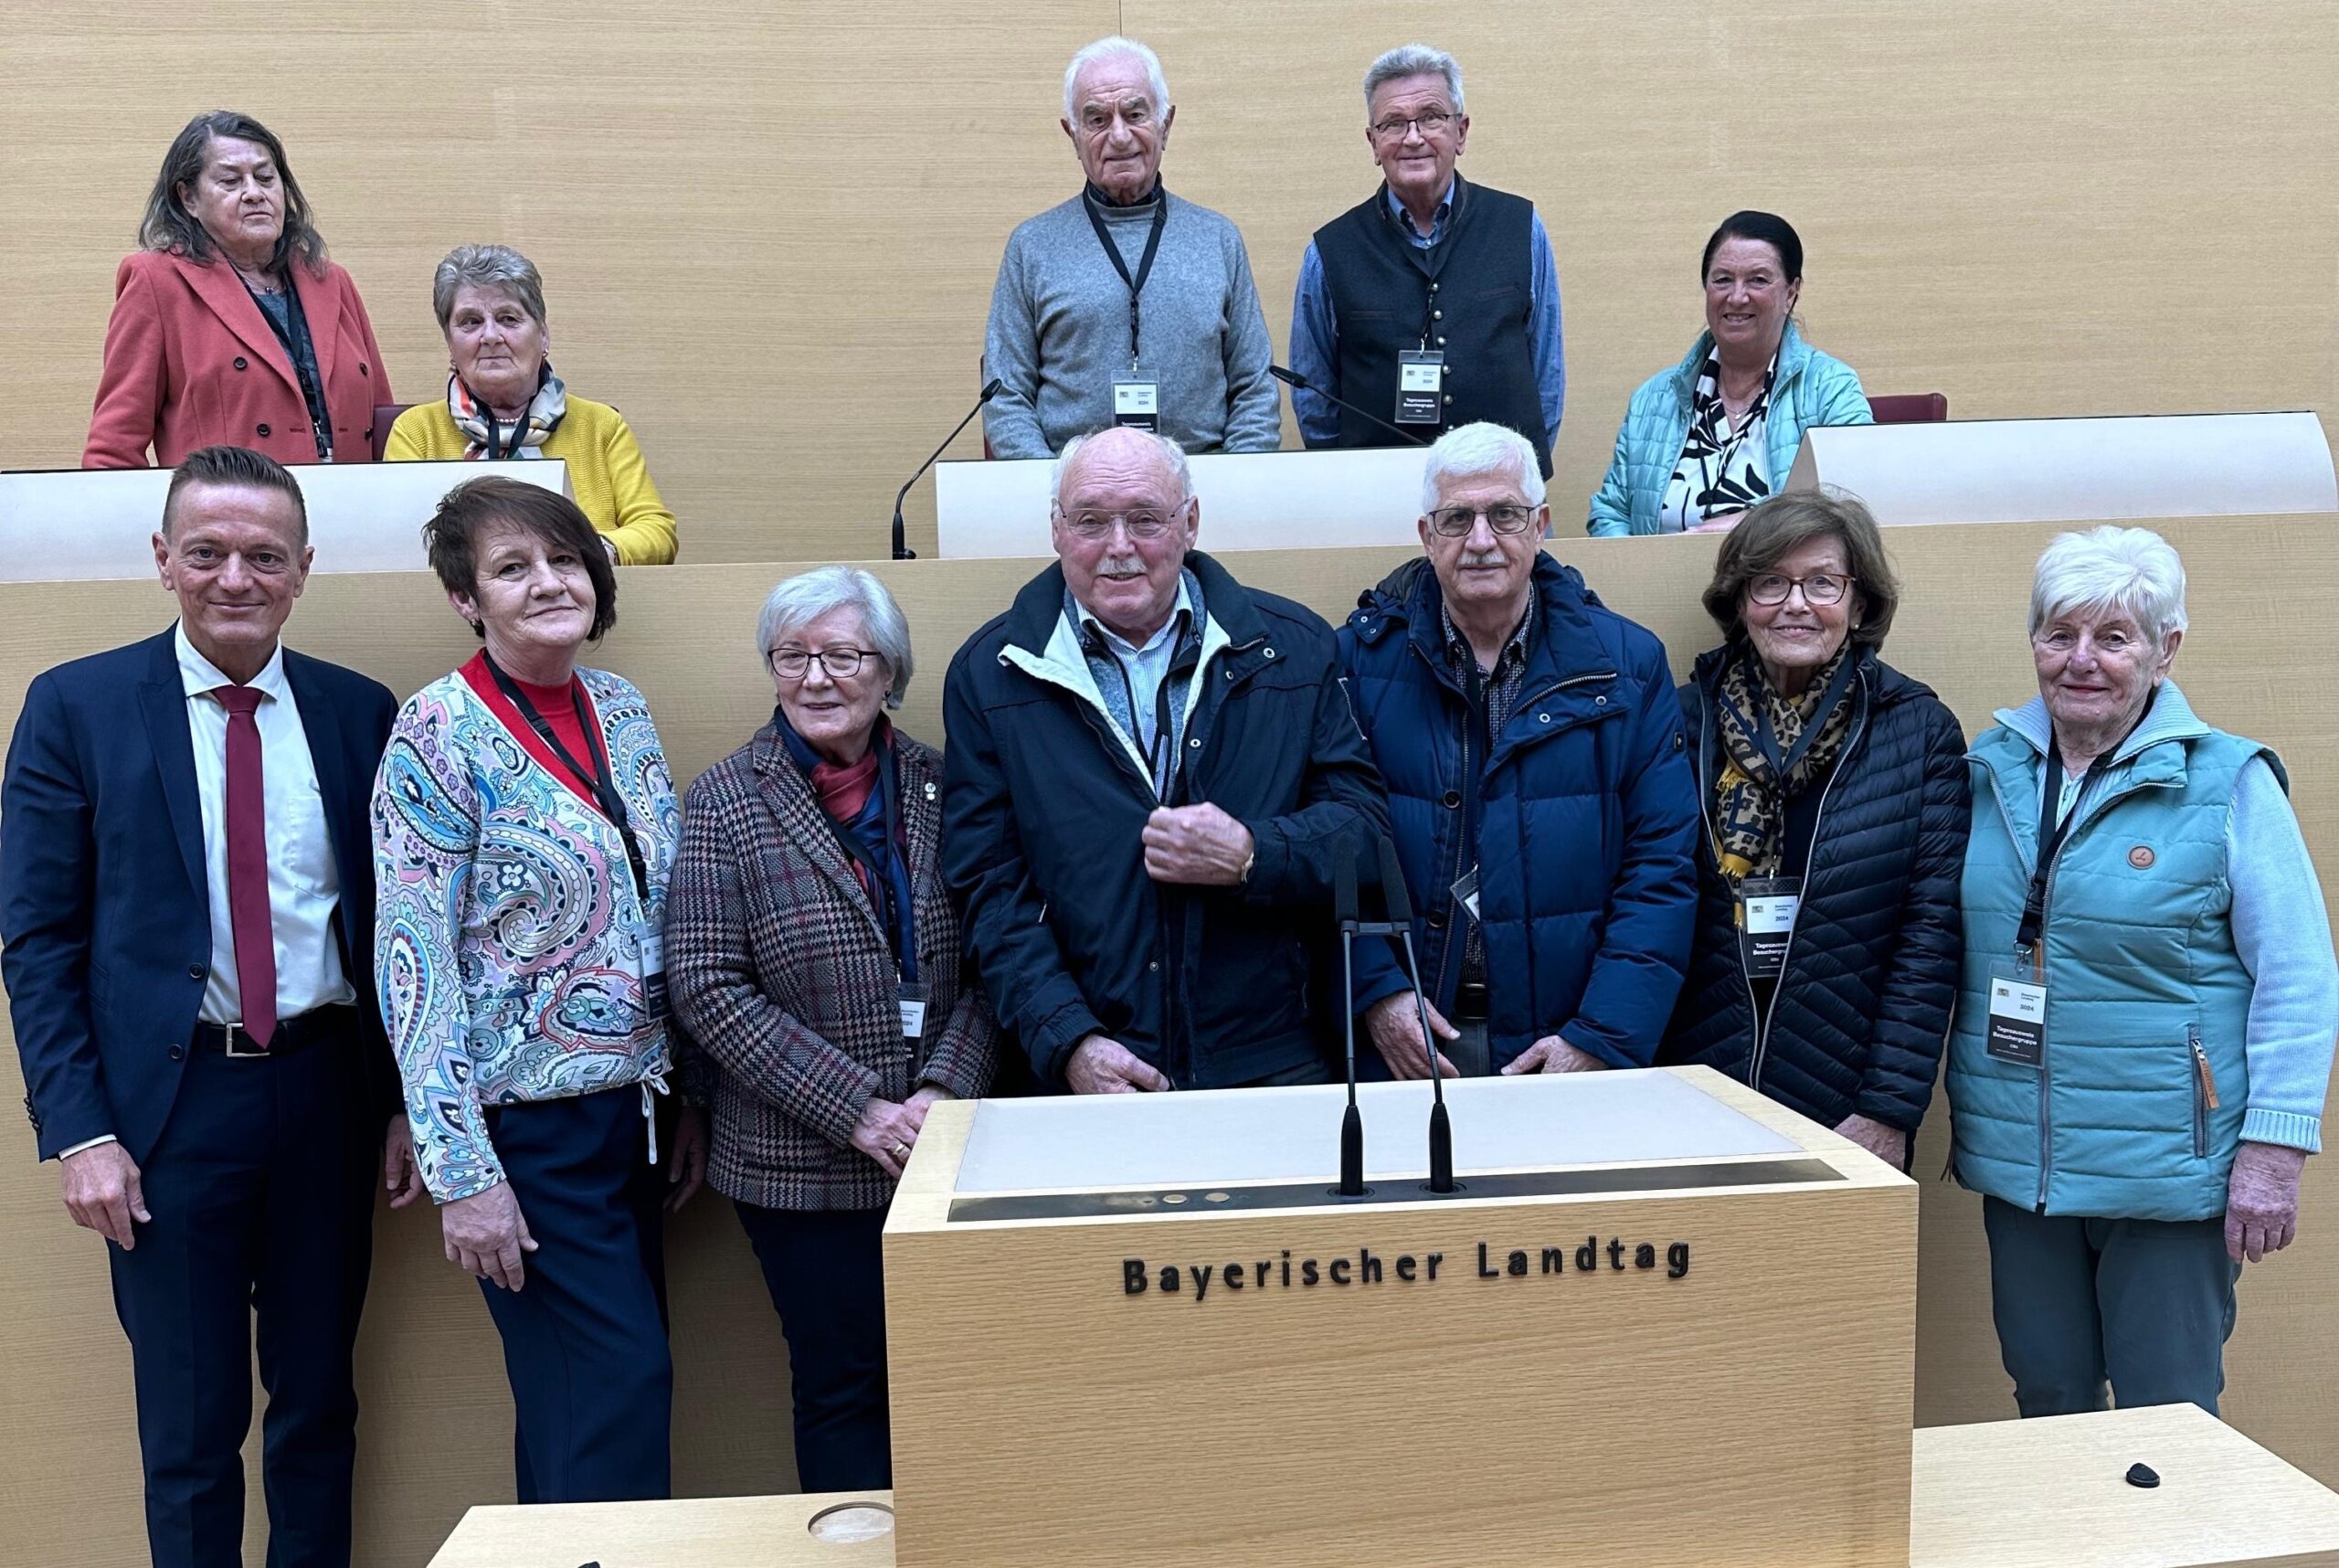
(1767, 743)
(2052, 831)
(1428, 260)
(1113, 253)
(293, 333)
(881, 879)
(600, 780)
(500, 450)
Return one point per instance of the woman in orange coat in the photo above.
(229, 327)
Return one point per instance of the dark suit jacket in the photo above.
(782, 977)
(103, 905)
(191, 362)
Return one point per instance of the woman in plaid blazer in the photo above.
(815, 964)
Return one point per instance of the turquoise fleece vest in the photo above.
(2144, 984)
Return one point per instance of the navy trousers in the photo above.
(263, 1188)
(826, 1272)
(585, 1337)
(2145, 1304)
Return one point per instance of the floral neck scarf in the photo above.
(491, 438)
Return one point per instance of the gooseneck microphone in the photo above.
(1352, 1122)
(901, 552)
(1401, 916)
(1291, 378)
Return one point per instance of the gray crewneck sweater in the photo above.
(1059, 333)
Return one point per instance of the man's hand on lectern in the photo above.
(1103, 1066)
(1395, 1026)
(1553, 1054)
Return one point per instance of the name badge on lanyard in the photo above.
(1421, 386)
(650, 956)
(1136, 403)
(913, 995)
(2017, 1013)
(1766, 911)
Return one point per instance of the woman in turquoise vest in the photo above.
(1707, 439)
(2148, 1004)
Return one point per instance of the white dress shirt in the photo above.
(303, 884)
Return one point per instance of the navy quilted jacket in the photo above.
(1859, 1019)
(1585, 824)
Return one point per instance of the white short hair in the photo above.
(1110, 49)
(1481, 448)
(1171, 454)
(799, 601)
(1410, 60)
(2131, 571)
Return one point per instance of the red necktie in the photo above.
(247, 912)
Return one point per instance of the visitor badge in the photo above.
(1767, 907)
(1466, 891)
(1136, 403)
(913, 996)
(2017, 1014)
(1421, 386)
(650, 956)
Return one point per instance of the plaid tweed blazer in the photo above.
(784, 985)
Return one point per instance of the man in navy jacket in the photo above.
(1151, 773)
(217, 1108)
(1539, 784)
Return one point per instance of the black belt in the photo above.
(1470, 1002)
(338, 1020)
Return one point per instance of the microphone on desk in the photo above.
(1401, 916)
(1352, 1122)
(901, 552)
(1292, 378)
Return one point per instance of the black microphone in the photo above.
(1353, 1121)
(901, 552)
(1401, 915)
(1293, 379)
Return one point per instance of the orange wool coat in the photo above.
(191, 362)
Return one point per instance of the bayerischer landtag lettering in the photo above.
(1200, 1281)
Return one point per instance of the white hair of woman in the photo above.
(1481, 448)
(1404, 60)
(2131, 571)
(1115, 47)
(799, 601)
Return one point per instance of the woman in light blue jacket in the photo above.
(2143, 1031)
(1705, 440)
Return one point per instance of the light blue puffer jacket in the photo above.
(1813, 389)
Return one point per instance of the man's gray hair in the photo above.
(1413, 60)
(1109, 49)
(2129, 571)
(1474, 450)
(496, 267)
(1170, 455)
(799, 601)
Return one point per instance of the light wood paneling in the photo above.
(769, 233)
(435, 1437)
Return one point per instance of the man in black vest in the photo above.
(1434, 302)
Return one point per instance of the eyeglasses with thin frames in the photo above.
(1819, 588)
(1146, 524)
(837, 663)
(1429, 122)
(1503, 517)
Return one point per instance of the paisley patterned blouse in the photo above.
(505, 935)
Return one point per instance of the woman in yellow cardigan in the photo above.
(503, 401)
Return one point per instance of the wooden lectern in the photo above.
(1663, 1321)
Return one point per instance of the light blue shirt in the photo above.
(1147, 666)
(1316, 339)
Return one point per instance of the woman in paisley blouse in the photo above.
(525, 824)
(1707, 439)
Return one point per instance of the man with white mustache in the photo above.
(1534, 754)
(1150, 775)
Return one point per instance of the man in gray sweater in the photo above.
(1125, 305)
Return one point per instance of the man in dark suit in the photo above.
(187, 901)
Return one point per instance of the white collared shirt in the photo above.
(303, 884)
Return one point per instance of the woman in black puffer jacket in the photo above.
(1836, 807)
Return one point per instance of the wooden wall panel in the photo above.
(769, 232)
(435, 1437)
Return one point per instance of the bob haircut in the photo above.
(799, 601)
(1774, 529)
(168, 225)
(451, 539)
(2130, 571)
